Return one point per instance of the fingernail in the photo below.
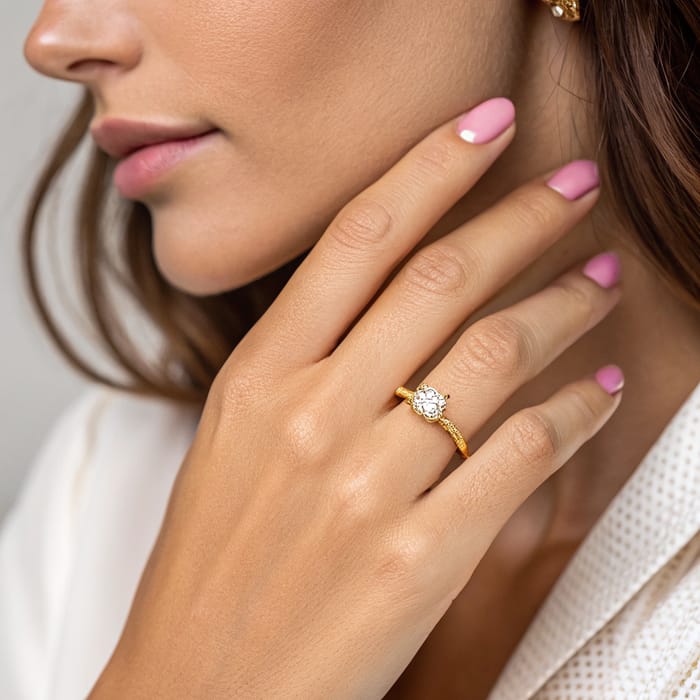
(605, 269)
(575, 179)
(611, 378)
(486, 121)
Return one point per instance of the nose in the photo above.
(82, 40)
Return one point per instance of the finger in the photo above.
(376, 229)
(493, 358)
(447, 281)
(473, 502)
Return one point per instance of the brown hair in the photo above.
(645, 65)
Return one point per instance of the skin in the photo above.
(316, 99)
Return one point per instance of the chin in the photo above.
(199, 270)
(203, 260)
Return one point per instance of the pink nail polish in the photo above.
(605, 269)
(575, 179)
(486, 121)
(611, 378)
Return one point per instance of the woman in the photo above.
(340, 211)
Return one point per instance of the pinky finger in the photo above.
(474, 501)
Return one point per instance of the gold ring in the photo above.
(428, 402)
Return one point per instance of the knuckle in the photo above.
(498, 344)
(233, 389)
(585, 407)
(363, 222)
(403, 558)
(435, 270)
(533, 437)
(576, 298)
(303, 434)
(437, 158)
(533, 209)
(353, 499)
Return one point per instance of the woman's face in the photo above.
(314, 100)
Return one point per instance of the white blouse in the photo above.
(622, 622)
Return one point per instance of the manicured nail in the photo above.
(487, 120)
(611, 378)
(605, 269)
(575, 179)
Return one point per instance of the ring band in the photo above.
(428, 402)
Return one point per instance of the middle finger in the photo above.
(445, 282)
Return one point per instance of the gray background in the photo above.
(36, 383)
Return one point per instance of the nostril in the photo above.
(88, 64)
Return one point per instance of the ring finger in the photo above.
(494, 357)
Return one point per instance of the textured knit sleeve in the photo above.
(37, 538)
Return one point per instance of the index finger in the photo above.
(377, 229)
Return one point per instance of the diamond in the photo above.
(557, 11)
(428, 402)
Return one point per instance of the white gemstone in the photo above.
(429, 402)
(557, 11)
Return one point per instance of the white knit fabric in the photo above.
(622, 622)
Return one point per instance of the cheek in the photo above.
(247, 53)
(212, 233)
(318, 99)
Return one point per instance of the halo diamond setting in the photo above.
(429, 402)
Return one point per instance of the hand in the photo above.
(309, 546)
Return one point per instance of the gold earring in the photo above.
(568, 10)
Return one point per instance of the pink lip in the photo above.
(139, 171)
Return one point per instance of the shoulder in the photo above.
(58, 458)
(103, 438)
(97, 428)
(98, 484)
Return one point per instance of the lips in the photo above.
(121, 137)
(140, 172)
